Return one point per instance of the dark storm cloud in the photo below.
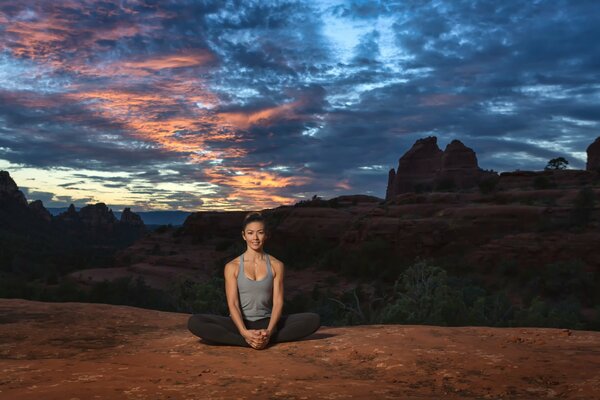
(51, 200)
(235, 93)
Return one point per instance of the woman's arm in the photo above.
(231, 290)
(277, 296)
(253, 337)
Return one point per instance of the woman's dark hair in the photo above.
(253, 217)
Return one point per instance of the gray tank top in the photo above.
(256, 297)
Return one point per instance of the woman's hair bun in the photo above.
(252, 217)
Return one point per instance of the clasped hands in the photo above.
(257, 338)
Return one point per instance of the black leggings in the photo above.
(220, 329)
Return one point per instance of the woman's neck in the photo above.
(254, 254)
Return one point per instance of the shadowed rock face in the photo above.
(16, 216)
(9, 189)
(111, 352)
(31, 236)
(131, 218)
(37, 207)
(593, 156)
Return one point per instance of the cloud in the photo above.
(257, 103)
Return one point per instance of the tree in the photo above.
(557, 163)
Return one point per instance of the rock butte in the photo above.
(593, 156)
(98, 351)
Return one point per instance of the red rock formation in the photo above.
(593, 156)
(16, 216)
(417, 167)
(425, 168)
(131, 219)
(459, 166)
(9, 189)
(389, 190)
(115, 352)
(69, 216)
(37, 208)
(97, 216)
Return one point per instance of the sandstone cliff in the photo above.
(424, 167)
(97, 351)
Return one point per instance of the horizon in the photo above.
(223, 106)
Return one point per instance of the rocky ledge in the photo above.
(98, 351)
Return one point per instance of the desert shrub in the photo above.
(127, 291)
(543, 313)
(492, 310)
(422, 296)
(199, 297)
(563, 279)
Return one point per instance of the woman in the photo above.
(254, 288)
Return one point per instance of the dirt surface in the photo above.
(97, 351)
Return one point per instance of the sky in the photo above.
(244, 105)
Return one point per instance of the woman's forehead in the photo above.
(255, 225)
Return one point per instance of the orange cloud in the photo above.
(170, 61)
(256, 188)
(343, 185)
(263, 117)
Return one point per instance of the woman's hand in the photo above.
(265, 335)
(255, 338)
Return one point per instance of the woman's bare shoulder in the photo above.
(276, 262)
(233, 266)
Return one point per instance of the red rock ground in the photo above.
(98, 351)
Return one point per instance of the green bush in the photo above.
(422, 296)
(542, 313)
(199, 297)
(492, 310)
(563, 279)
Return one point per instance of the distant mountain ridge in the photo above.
(174, 218)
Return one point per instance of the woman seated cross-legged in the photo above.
(254, 288)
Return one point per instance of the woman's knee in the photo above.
(313, 320)
(195, 322)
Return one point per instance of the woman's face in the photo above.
(254, 235)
